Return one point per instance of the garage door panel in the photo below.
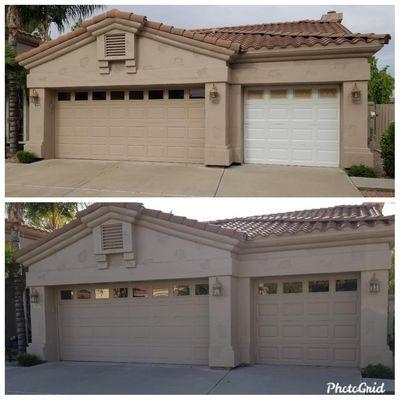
(307, 328)
(314, 121)
(145, 130)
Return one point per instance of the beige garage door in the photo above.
(139, 125)
(163, 322)
(308, 320)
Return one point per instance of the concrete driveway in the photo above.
(77, 178)
(123, 378)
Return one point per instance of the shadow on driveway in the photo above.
(124, 378)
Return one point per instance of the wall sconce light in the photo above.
(34, 296)
(356, 94)
(35, 97)
(213, 92)
(216, 288)
(374, 285)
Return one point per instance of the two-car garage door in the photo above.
(308, 320)
(292, 126)
(137, 125)
(159, 322)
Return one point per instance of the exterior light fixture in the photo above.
(34, 296)
(356, 94)
(374, 285)
(35, 97)
(216, 288)
(213, 92)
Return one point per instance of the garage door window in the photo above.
(196, 93)
(63, 96)
(117, 95)
(346, 285)
(120, 292)
(99, 95)
(160, 292)
(81, 96)
(255, 94)
(278, 94)
(136, 95)
(292, 287)
(176, 94)
(329, 93)
(156, 94)
(139, 292)
(318, 286)
(84, 294)
(182, 290)
(67, 294)
(102, 293)
(302, 93)
(267, 288)
(201, 289)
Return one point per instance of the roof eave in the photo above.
(309, 52)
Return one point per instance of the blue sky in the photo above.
(357, 18)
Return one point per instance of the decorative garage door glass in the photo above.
(138, 125)
(160, 322)
(292, 126)
(308, 321)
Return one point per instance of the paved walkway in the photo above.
(77, 178)
(124, 378)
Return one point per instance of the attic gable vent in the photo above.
(115, 45)
(112, 237)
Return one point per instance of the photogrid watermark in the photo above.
(363, 388)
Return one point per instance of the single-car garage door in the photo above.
(292, 126)
(308, 320)
(139, 125)
(159, 322)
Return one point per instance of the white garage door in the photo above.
(308, 321)
(139, 125)
(292, 126)
(160, 322)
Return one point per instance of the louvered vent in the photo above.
(112, 237)
(115, 45)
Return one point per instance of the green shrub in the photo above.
(25, 157)
(361, 170)
(377, 371)
(387, 150)
(28, 360)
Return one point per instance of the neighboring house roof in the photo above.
(306, 221)
(26, 38)
(238, 38)
(28, 231)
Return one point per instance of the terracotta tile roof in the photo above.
(238, 38)
(25, 37)
(306, 221)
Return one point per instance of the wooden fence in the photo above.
(380, 116)
(391, 319)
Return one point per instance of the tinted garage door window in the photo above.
(292, 126)
(158, 322)
(138, 125)
(308, 321)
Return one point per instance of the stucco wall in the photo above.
(157, 64)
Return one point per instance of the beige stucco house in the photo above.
(122, 87)
(127, 283)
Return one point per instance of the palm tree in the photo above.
(47, 215)
(37, 18)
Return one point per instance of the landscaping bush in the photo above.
(25, 157)
(361, 170)
(387, 150)
(28, 360)
(377, 371)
